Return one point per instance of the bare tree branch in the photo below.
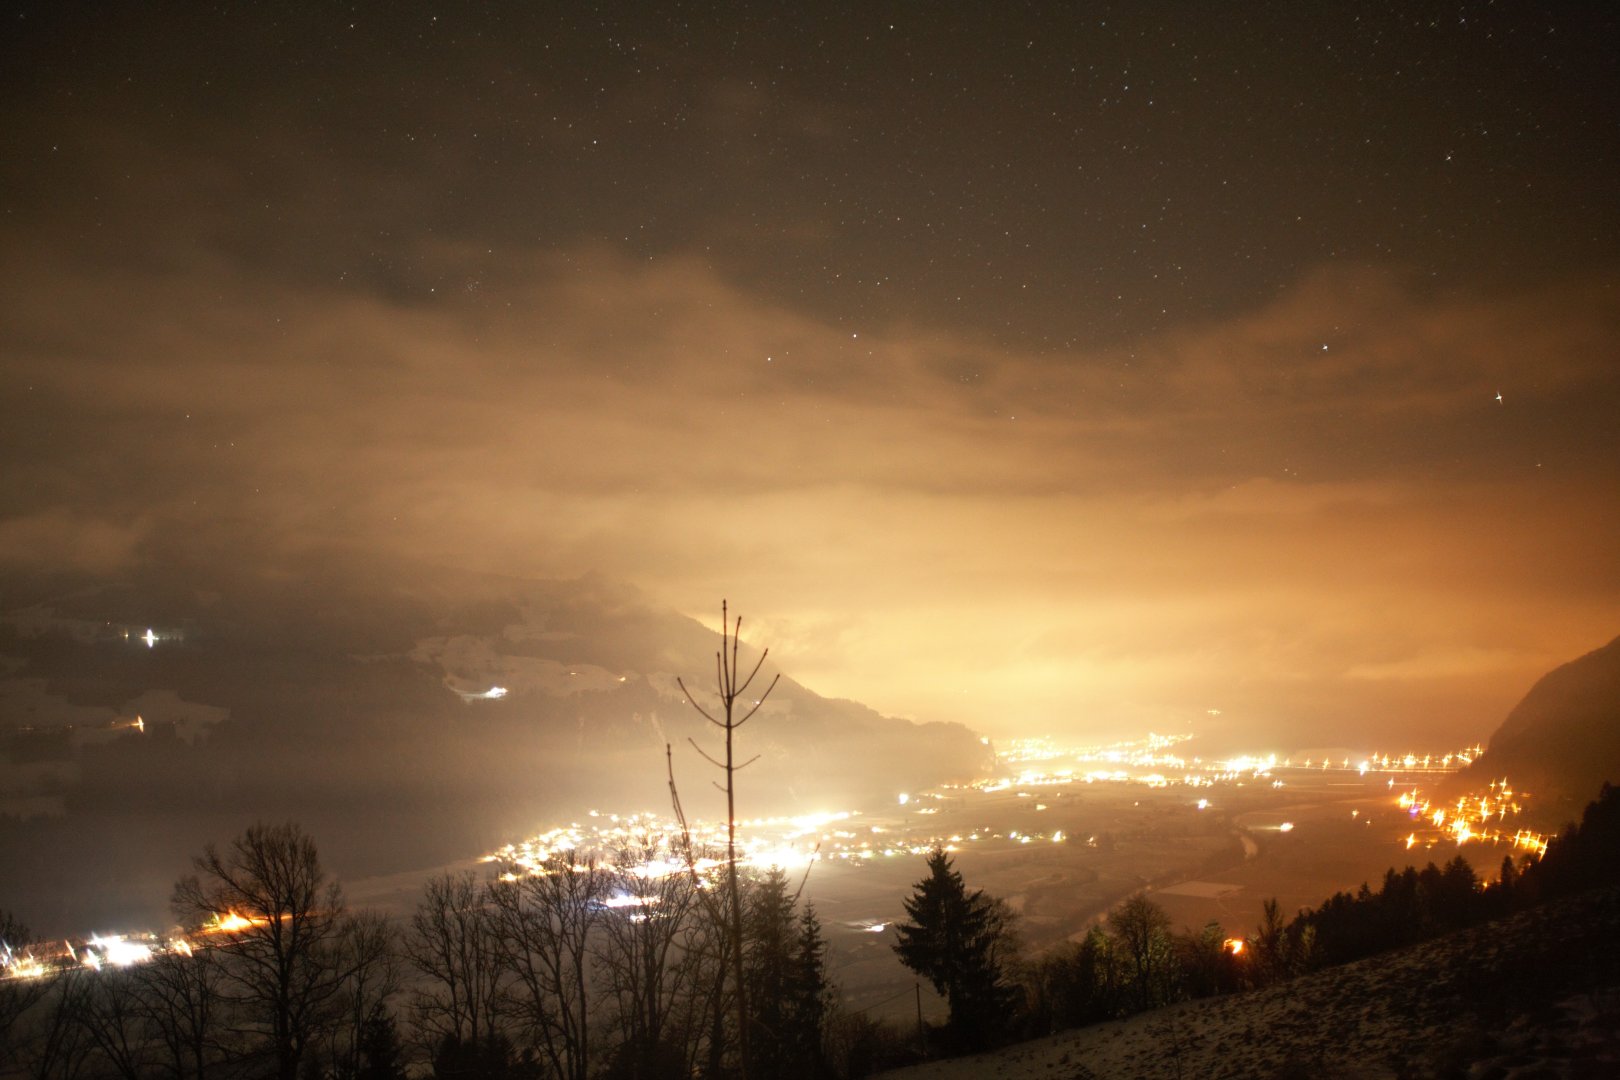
(729, 690)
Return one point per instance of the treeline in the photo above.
(597, 970)
(1416, 905)
(965, 942)
(603, 971)
(584, 970)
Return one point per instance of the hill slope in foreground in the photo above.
(1534, 995)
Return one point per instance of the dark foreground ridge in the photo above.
(1534, 994)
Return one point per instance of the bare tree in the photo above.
(730, 687)
(452, 943)
(369, 963)
(183, 999)
(545, 923)
(116, 1019)
(267, 899)
(1141, 930)
(649, 952)
(58, 1045)
(17, 995)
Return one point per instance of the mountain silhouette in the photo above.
(355, 698)
(1562, 741)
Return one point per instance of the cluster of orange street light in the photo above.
(1478, 817)
(659, 845)
(99, 952)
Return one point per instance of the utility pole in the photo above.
(922, 1038)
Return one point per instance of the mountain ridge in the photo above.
(1562, 740)
(351, 698)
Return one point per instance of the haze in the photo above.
(1042, 371)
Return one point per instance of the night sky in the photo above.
(1044, 367)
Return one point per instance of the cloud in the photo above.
(1126, 525)
(1366, 339)
(62, 540)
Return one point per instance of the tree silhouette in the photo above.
(1141, 931)
(768, 971)
(17, 996)
(955, 940)
(452, 943)
(809, 999)
(546, 925)
(730, 686)
(267, 896)
(650, 955)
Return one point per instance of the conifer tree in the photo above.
(808, 999)
(953, 940)
(768, 955)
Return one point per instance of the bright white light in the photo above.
(624, 900)
(121, 953)
(149, 637)
(492, 694)
(783, 857)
